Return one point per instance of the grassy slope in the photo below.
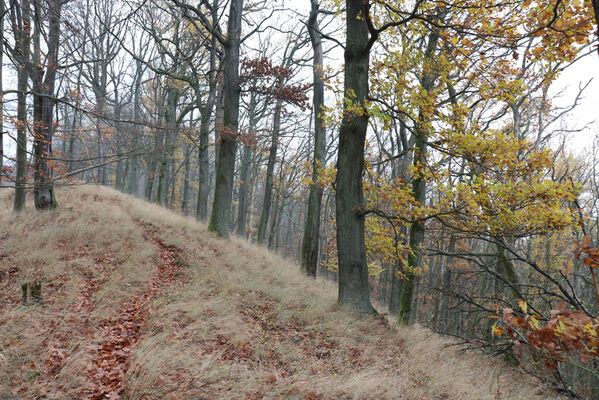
(240, 323)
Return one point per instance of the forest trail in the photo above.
(141, 303)
(119, 334)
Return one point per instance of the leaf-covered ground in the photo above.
(140, 303)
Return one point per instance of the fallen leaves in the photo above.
(106, 373)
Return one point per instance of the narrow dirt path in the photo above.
(106, 373)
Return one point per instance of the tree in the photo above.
(2, 14)
(311, 239)
(43, 190)
(223, 191)
(354, 290)
(21, 26)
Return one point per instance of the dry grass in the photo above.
(242, 323)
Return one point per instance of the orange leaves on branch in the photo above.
(583, 251)
(246, 138)
(566, 335)
(261, 76)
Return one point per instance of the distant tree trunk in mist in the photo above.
(354, 288)
(133, 172)
(311, 239)
(276, 211)
(186, 191)
(270, 168)
(245, 174)
(169, 142)
(223, 191)
(158, 144)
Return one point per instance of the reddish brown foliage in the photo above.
(259, 75)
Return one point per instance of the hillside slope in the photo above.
(140, 303)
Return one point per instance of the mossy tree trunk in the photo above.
(354, 290)
(223, 191)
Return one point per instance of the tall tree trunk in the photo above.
(76, 118)
(207, 110)
(21, 22)
(133, 172)
(159, 134)
(43, 190)
(270, 168)
(186, 191)
(223, 191)
(244, 192)
(244, 185)
(396, 289)
(354, 289)
(118, 176)
(2, 10)
(409, 290)
(442, 296)
(275, 222)
(508, 271)
(311, 239)
(169, 144)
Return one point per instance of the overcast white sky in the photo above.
(586, 114)
(588, 110)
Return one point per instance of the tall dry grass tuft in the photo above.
(241, 323)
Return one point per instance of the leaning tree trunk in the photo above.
(223, 191)
(270, 168)
(354, 289)
(311, 239)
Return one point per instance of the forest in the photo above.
(418, 156)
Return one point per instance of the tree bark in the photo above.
(1, 91)
(186, 191)
(158, 143)
(207, 110)
(223, 191)
(21, 23)
(410, 290)
(169, 144)
(133, 172)
(270, 168)
(311, 238)
(354, 289)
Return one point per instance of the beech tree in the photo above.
(311, 238)
(20, 13)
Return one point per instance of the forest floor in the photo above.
(141, 303)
